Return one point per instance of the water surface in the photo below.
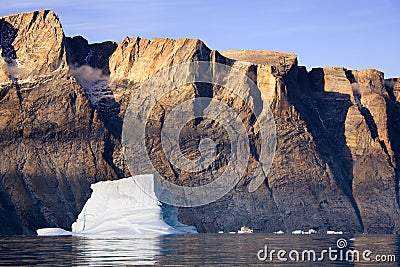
(192, 250)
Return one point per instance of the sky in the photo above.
(353, 34)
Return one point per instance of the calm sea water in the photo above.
(196, 250)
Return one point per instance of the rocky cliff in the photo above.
(53, 144)
(63, 101)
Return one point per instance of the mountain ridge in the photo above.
(63, 105)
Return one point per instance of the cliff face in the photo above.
(63, 101)
(52, 142)
(350, 120)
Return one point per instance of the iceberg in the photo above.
(124, 207)
(301, 232)
(280, 232)
(334, 232)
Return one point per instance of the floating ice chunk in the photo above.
(334, 232)
(245, 230)
(52, 232)
(301, 232)
(124, 207)
(309, 232)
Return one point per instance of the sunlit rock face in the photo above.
(63, 101)
(52, 142)
(21, 51)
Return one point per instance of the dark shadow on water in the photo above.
(48, 251)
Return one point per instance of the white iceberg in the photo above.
(334, 232)
(53, 231)
(124, 207)
(297, 232)
(309, 232)
(245, 230)
(301, 232)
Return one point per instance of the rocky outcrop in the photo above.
(24, 57)
(47, 129)
(62, 110)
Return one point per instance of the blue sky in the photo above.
(354, 34)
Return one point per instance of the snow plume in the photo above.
(359, 89)
(355, 87)
(87, 75)
(390, 83)
(18, 72)
(356, 93)
(393, 88)
(95, 83)
(13, 71)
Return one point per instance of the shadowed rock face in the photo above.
(350, 122)
(62, 104)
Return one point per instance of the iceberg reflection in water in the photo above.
(125, 207)
(140, 250)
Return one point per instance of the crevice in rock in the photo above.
(45, 14)
(72, 98)
(109, 147)
(205, 91)
(18, 89)
(369, 119)
(91, 118)
(34, 17)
